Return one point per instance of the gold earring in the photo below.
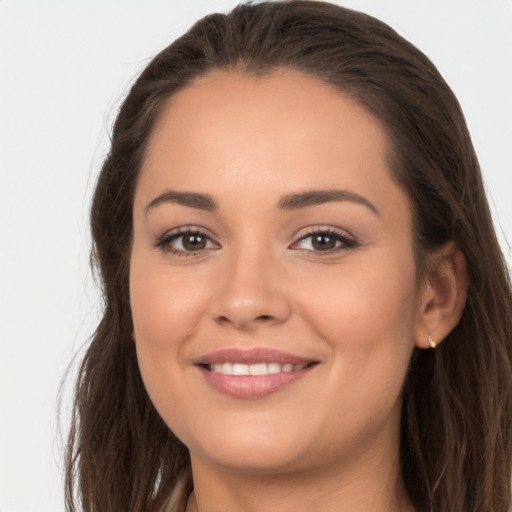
(431, 342)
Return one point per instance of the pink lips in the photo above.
(252, 386)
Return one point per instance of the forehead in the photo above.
(230, 131)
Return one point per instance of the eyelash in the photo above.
(164, 242)
(346, 242)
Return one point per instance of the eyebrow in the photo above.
(317, 197)
(295, 201)
(190, 199)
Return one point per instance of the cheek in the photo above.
(165, 305)
(367, 318)
(373, 299)
(165, 309)
(367, 315)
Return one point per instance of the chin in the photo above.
(258, 449)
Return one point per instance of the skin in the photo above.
(330, 440)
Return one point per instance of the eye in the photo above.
(325, 241)
(186, 242)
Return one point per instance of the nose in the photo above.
(251, 293)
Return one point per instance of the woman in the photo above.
(306, 307)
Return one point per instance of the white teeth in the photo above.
(227, 368)
(258, 369)
(273, 368)
(240, 369)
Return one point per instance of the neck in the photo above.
(372, 484)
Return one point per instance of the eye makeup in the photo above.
(190, 241)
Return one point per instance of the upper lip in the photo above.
(252, 356)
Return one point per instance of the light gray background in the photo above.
(63, 69)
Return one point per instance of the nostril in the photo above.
(264, 318)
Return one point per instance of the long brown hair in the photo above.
(456, 438)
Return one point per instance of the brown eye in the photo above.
(186, 243)
(328, 242)
(323, 242)
(194, 242)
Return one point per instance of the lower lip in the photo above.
(252, 386)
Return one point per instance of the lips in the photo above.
(251, 356)
(255, 373)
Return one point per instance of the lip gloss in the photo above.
(276, 370)
(251, 386)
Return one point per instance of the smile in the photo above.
(240, 369)
(254, 373)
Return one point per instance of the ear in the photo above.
(443, 295)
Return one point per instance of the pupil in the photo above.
(194, 242)
(324, 242)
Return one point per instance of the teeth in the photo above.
(273, 368)
(227, 368)
(258, 369)
(240, 369)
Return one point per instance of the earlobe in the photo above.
(443, 296)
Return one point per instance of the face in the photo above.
(272, 277)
